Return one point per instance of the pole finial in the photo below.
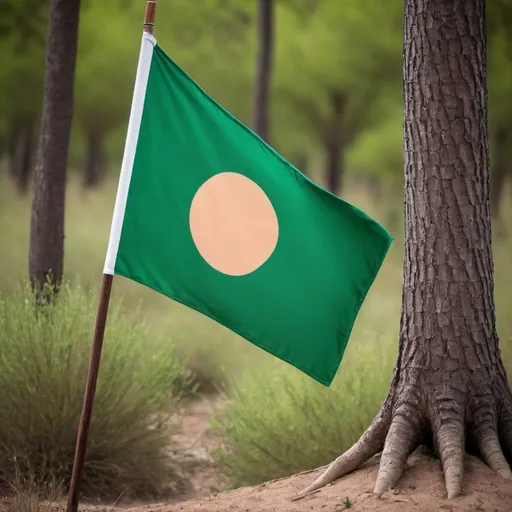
(149, 17)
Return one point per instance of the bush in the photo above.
(29, 495)
(43, 366)
(283, 422)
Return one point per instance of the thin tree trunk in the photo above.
(334, 165)
(374, 185)
(263, 68)
(449, 386)
(334, 146)
(21, 160)
(94, 160)
(47, 220)
(499, 172)
(301, 162)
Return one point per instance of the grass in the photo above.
(214, 354)
(28, 494)
(278, 421)
(44, 360)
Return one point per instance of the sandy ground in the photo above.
(421, 489)
(191, 452)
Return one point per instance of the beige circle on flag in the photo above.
(233, 224)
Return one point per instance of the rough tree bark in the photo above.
(47, 220)
(263, 68)
(94, 160)
(449, 386)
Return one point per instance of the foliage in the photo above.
(213, 354)
(28, 494)
(349, 48)
(280, 423)
(44, 360)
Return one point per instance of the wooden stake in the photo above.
(90, 389)
(97, 345)
(149, 17)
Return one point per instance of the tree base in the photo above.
(449, 418)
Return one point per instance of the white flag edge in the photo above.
(139, 95)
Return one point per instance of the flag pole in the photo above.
(97, 345)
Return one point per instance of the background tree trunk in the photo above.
(499, 172)
(263, 68)
(21, 156)
(333, 142)
(47, 220)
(449, 387)
(94, 160)
(333, 165)
(300, 160)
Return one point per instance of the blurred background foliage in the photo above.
(336, 113)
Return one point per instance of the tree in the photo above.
(500, 90)
(449, 385)
(332, 90)
(104, 79)
(21, 74)
(263, 68)
(47, 219)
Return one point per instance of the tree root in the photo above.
(397, 429)
(369, 444)
(505, 426)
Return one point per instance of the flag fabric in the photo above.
(211, 216)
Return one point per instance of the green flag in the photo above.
(211, 216)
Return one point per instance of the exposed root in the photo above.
(369, 444)
(405, 418)
(486, 436)
(450, 445)
(492, 453)
(400, 442)
(505, 427)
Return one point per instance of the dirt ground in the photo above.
(191, 452)
(420, 490)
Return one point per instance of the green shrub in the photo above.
(44, 354)
(282, 422)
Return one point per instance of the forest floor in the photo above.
(190, 450)
(421, 489)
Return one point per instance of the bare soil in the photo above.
(421, 489)
(190, 451)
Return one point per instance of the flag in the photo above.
(211, 216)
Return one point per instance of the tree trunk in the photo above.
(301, 162)
(263, 68)
(94, 161)
(21, 158)
(333, 141)
(334, 165)
(499, 172)
(449, 386)
(47, 220)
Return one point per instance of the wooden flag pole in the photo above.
(90, 389)
(97, 345)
